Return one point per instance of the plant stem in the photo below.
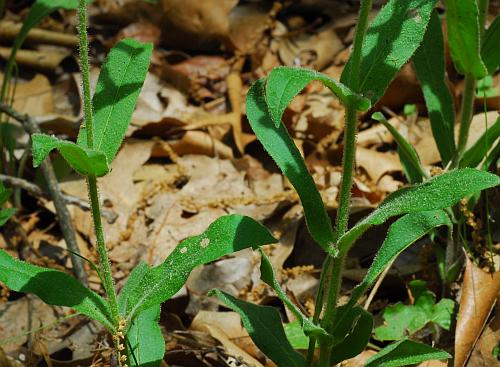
(466, 116)
(334, 282)
(105, 265)
(92, 180)
(84, 67)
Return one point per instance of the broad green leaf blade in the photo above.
(267, 275)
(5, 215)
(295, 335)
(263, 323)
(146, 343)
(356, 340)
(54, 288)
(118, 87)
(405, 352)
(430, 67)
(84, 161)
(133, 281)
(281, 148)
(439, 192)
(402, 233)
(478, 152)
(284, 83)
(226, 235)
(490, 51)
(390, 41)
(407, 154)
(463, 37)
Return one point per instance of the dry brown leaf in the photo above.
(199, 142)
(34, 97)
(46, 58)
(479, 292)
(377, 164)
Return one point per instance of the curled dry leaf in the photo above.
(479, 292)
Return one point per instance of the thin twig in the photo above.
(377, 286)
(63, 216)
(68, 199)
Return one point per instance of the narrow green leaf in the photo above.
(391, 39)
(408, 156)
(439, 192)
(463, 37)
(356, 340)
(226, 235)
(295, 335)
(267, 275)
(82, 160)
(5, 215)
(284, 83)
(405, 352)
(430, 67)
(146, 345)
(477, 152)
(402, 233)
(278, 143)
(490, 51)
(4, 193)
(133, 281)
(118, 87)
(263, 323)
(53, 287)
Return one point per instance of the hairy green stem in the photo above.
(465, 116)
(104, 263)
(334, 282)
(84, 66)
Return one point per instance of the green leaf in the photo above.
(356, 340)
(284, 83)
(134, 278)
(267, 275)
(118, 87)
(84, 161)
(490, 52)
(281, 148)
(5, 215)
(430, 67)
(146, 345)
(264, 326)
(408, 156)
(295, 335)
(463, 37)
(401, 320)
(439, 192)
(477, 152)
(4, 193)
(402, 233)
(390, 41)
(54, 288)
(226, 235)
(405, 352)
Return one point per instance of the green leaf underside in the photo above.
(268, 276)
(264, 326)
(437, 193)
(295, 335)
(463, 37)
(53, 287)
(133, 281)
(430, 68)
(478, 151)
(408, 156)
(390, 41)
(405, 352)
(356, 340)
(279, 145)
(118, 87)
(224, 236)
(84, 161)
(401, 320)
(284, 83)
(490, 51)
(402, 233)
(146, 339)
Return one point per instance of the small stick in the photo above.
(63, 216)
(69, 199)
(377, 286)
